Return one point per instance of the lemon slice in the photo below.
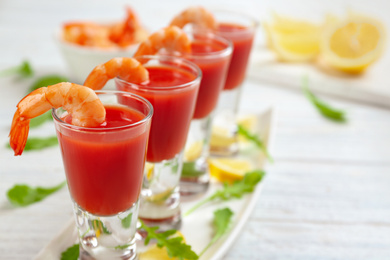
(352, 44)
(229, 169)
(160, 197)
(221, 137)
(293, 39)
(149, 167)
(154, 252)
(193, 151)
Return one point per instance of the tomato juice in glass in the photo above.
(240, 29)
(104, 165)
(242, 36)
(212, 54)
(172, 90)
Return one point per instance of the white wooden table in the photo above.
(327, 196)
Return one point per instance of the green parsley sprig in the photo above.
(324, 109)
(39, 143)
(71, 253)
(222, 222)
(23, 70)
(22, 195)
(235, 190)
(255, 139)
(174, 245)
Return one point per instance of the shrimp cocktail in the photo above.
(240, 30)
(103, 138)
(172, 89)
(171, 85)
(212, 54)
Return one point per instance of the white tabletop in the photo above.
(326, 196)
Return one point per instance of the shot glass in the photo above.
(104, 169)
(240, 30)
(172, 90)
(212, 54)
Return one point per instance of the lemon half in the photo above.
(353, 43)
(293, 39)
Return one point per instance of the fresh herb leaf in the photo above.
(234, 190)
(175, 246)
(98, 225)
(189, 170)
(47, 81)
(324, 109)
(71, 253)
(126, 222)
(38, 143)
(255, 139)
(122, 246)
(222, 221)
(22, 195)
(24, 70)
(39, 120)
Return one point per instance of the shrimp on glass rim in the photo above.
(172, 39)
(80, 102)
(196, 15)
(128, 69)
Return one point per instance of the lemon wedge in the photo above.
(149, 167)
(160, 197)
(229, 169)
(353, 43)
(293, 39)
(154, 252)
(221, 137)
(193, 151)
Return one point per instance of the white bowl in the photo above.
(81, 60)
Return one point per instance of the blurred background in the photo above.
(326, 196)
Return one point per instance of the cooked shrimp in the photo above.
(124, 33)
(119, 34)
(87, 34)
(128, 69)
(79, 101)
(195, 15)
(171, 38)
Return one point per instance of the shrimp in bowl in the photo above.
(84, 44)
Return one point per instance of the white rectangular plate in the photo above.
(196, 227)
(370, 87)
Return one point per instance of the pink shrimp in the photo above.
(195, 15)
(171, 38)
(124, 33)
(79, 101)
(87, 34)
(128, 69)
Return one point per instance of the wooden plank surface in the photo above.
(326, 196)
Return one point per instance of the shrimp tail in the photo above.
(19, 133)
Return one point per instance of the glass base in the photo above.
(224, 141)
(84, 255)
(107, 237)
(165, 214)
(160, 197)
(164, 224)
(195, 178)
